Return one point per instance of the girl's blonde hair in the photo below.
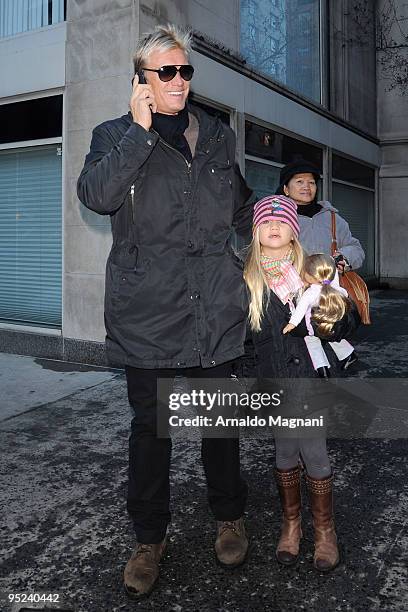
(256, 280)
(332, 304)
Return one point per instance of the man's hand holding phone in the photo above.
(142, 103)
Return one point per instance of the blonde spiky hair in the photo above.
(163, 38)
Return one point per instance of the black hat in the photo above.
(299, 166)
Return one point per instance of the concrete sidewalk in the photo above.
(64, 437)
(27, 383)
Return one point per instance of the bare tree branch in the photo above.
(392, 47)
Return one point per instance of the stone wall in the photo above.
(393, 181)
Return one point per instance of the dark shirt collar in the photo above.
(309, 210)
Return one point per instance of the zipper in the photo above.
(132, 196)
(132, 188)
(188, 164)
(175, 150)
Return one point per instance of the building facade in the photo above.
(292, 77)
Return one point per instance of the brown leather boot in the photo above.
(142, 569)
(326, 555)
(231, 545)
(287, 551)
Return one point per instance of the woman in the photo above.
(298, 181)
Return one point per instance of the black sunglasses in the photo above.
(167, 73)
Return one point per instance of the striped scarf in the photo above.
(282, 277)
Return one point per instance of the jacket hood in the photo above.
(210, 128)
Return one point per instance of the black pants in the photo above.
(149, 459)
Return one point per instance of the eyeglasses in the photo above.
(167, 73)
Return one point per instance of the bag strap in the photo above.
(333, 232)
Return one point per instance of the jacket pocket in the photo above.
(124, 255)
(124, 289)
(220, 176)
(123, 269)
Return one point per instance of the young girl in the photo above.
(330, 299)
(272, 272)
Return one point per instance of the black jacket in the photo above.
(174, 294)
(281, 358)
(286, 356)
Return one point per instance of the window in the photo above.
(22, 15)
(263, 178)
(30, 235)
(31, 120)
(284, 39)
(353, 172)
(267, 144)
(353, 82)
(211, 110)
(30, 212)
(267, 151)
(354, 197)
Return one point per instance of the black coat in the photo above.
(174, 294)
(281, 355)
(280, 358)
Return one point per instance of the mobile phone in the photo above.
(142, 80)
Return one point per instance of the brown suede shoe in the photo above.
(231, 545)
(142, 569)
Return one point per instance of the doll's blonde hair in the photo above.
(332, 304)
(255, 278)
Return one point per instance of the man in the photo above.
(174, 296)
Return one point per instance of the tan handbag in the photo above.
(353, 283)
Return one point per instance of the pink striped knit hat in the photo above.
(277, 207)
